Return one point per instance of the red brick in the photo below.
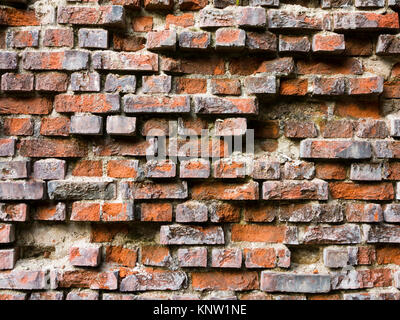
(225, 87)
(122, 168)
(260, 258)
(262, 233)
(95, 103)
(117, 212)
(35, 105)
(328, 43)
(18, 126)
(55, 126)
(51, 81)
(235, 281)
(191, 86)
(356, 191)
(88, 168)
(184, 20)
(49, 148)
(222, 191)
(128, 42)
(142, 24)
(85, 211)
(58, 38)
(120, 255)
(84, 256)
(155, 256)
(156, 212)
(18, 17)
(330, 171)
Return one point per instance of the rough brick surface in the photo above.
(219, 149)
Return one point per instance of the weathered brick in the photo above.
(226, 258)
(95, 103)
(14, 17)
(182, 234)
(330, 149)
(51, 82)
(85, 211)
(93, 38)
(8, 60)
(142, 23)
(55, 212)
(230, 39)
(260, 85)
(156, 256)
(124, 84)
(160, 169)
(226, 191)
(58, 38)
(70, 60)
(120, 255)
(156, 84)
(365, 21)
(191, 211)
(194, 168)
(140, 104)
(328, 213)
(218, 280)
(125, 61)
(153, 279)
(261, 42)
(55, 126)
(297, 170)
(294, 44)
(383, 234)
(192, 257)
(126, 42)
(344, 234)
(7, 147)
(358, 212)
(299, 283)
(85, 81)
(328, 43)
(287, 20)
(297, 129)
(161, 40)
(225, 87)
(151, 190)
(86, 295)
(366, 172)
(23, 280)
(71, 190)
(104, 280)
(190, 40)
(315, 189)
(84, 256)
(121, 125)
(13, 212)
(7, 233)
(23, 38)
(22, 190)
(231, 127)
(49, 169)
(103, 15)
(242, 16)
(86, 125)
(17, 82)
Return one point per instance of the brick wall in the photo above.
(92, 90)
